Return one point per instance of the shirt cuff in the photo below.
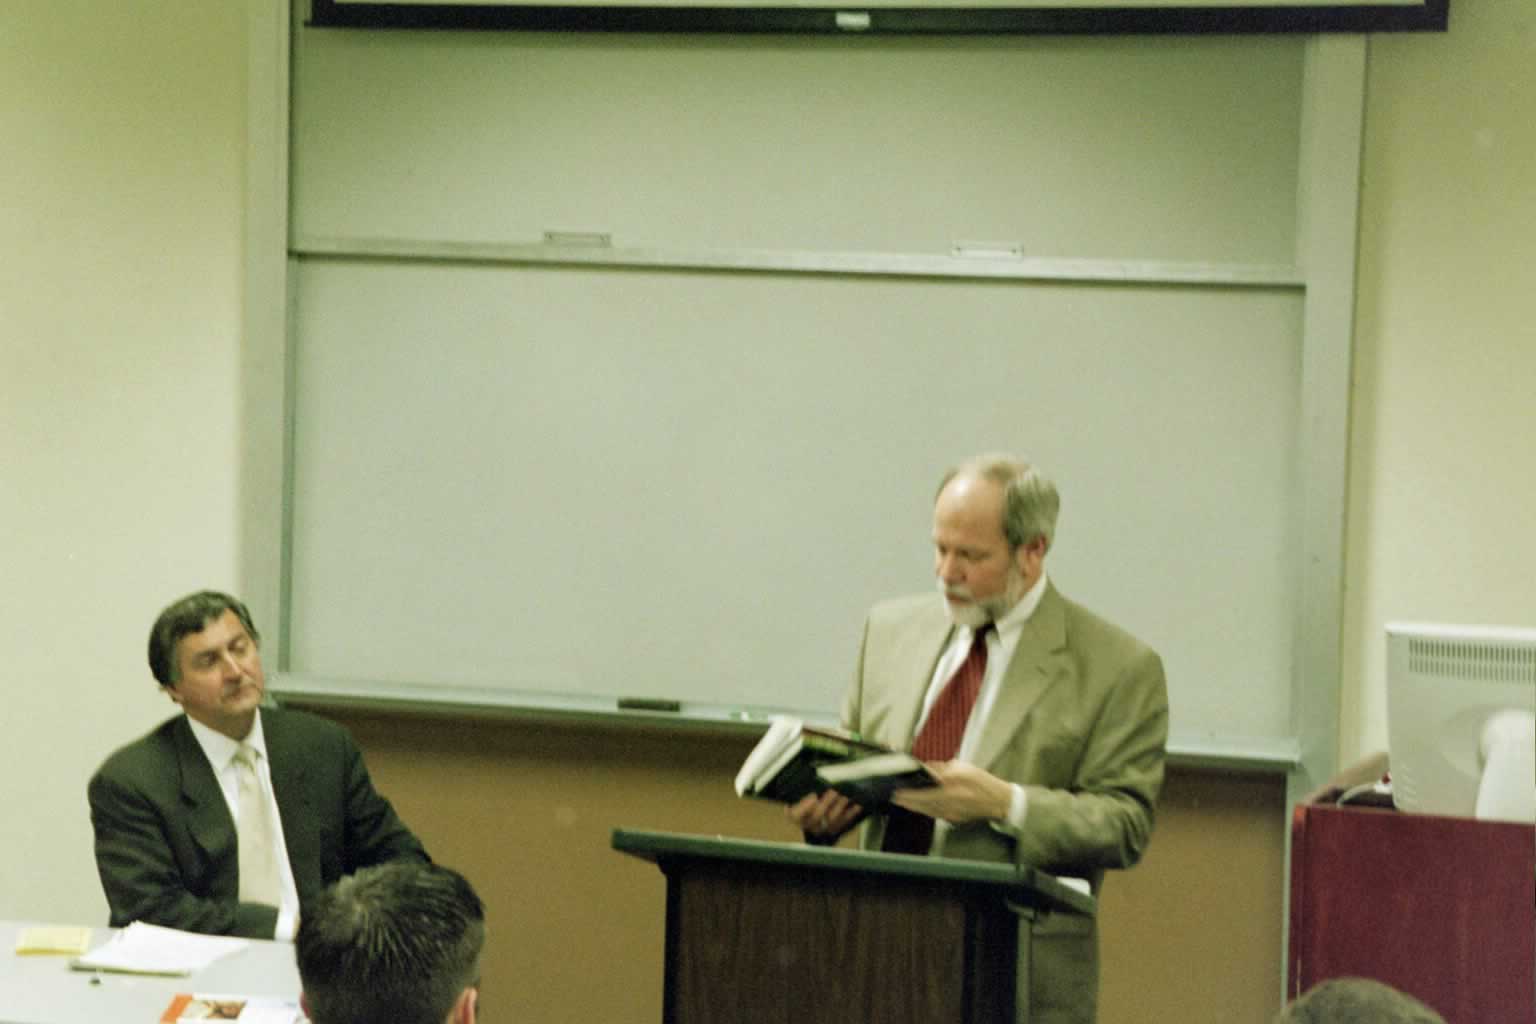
(287, 925)
(1018, 807)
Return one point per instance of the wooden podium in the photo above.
(1441, 908)
(782, 932)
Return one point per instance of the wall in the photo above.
(120, 427)
(528, 810)
(121, 188)
(1441, 483)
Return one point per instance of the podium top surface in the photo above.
(1018, 882)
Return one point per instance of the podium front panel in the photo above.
(795, 946)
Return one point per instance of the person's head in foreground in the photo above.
(1356, 1001)
(399, 942)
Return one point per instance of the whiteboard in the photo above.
(1166, 149)
(692, 486)
(537, 483)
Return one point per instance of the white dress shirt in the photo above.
(1001, 643)
(220, 751)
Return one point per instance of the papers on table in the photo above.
(150, 949)
(189, 1006)
(53, 939)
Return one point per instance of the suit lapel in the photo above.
(1030, 674)
(919, 660)
(208, 819)
(288, 772)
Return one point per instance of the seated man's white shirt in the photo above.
(1001, 643)
(220, 751)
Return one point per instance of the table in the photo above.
(1441, 908)
(43, 989)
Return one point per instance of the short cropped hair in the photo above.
(396, 942)
(1030, 501)
(1357, 1001)
(191, 614)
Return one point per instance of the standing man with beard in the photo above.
(229, 818)
(1045, 725)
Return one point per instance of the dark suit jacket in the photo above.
(166, 848)
(1081, 722)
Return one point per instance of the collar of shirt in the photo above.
(1013, 623)
(220, 749)
(1001, 644)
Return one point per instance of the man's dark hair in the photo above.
(397, 942)
(191, 614)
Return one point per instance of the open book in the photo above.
(870, 781)
(793, 759)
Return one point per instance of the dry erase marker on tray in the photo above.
(649, 704)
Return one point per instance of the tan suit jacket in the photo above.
(1081, 722)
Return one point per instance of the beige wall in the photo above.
(527, 811)
(123, 128)
(1442, 487)
(122, 131)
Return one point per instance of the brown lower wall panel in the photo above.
(526, 810)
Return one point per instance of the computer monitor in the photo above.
(1461, 719)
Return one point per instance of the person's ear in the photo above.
(170, 691)
(468, 1006)
(304, 1005)
(1029, 556)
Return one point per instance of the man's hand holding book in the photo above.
(824, 816)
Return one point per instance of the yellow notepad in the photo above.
(62, 940)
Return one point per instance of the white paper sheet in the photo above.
(150, 949)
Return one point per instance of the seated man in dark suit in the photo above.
(232, 817)
(399, 943)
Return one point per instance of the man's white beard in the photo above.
(972, 615)
(976, 614)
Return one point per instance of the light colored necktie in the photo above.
(260, 881)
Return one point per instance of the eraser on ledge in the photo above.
(649, 704)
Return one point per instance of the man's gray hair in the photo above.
(190, 614)
(1357, 1001)
(1030, 501)
(396, 942)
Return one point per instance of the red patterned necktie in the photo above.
(939, 740)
